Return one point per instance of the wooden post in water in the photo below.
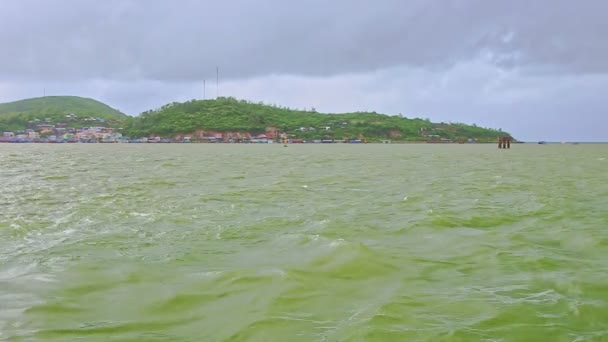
(504, 142)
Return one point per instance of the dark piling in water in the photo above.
(504, 142)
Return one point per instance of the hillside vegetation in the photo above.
(53, 109)
(229, 114)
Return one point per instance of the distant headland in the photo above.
(225, 119)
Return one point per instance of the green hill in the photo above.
(19, 115)
(229, 114)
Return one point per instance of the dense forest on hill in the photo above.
(230, 114)
(227, 114)
(21, 114)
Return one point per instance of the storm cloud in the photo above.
(541, 63)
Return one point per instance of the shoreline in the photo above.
(292, 143)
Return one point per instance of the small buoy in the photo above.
(285, 145)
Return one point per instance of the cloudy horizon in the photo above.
(537, 70)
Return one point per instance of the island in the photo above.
(61, 119)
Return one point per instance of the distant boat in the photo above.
(542, 142)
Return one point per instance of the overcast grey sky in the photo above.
(538, 69)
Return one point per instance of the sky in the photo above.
(536, 69)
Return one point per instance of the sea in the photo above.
(328, 242)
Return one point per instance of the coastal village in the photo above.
(48, 120)
(61, 133)
(46, 132)
(102, 131)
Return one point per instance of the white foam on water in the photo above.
(134, 213)
(207, 274)
(16, 272)
(336, 243)
(45, 278)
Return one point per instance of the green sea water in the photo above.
(128, 242)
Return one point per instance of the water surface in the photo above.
(305, 243)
